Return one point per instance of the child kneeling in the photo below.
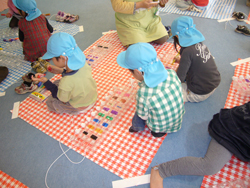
(76, 92)
(159, 97)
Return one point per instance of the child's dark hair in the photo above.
(176, 41)
(26, 14)
(132, 71)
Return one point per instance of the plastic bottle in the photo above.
(248, 81)
(242, 85)
(235, 82)
(236, 183)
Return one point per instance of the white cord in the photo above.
(52, 16)
(64, 153)
(229, 24)
(51, 166)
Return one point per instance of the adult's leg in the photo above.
(161, 40)
(214, 160)
(182, 4)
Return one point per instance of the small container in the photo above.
(242, 85)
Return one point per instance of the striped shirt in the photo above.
(162, 106)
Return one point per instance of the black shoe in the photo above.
(157, 135)
(238, 16)
(242, 29)
(131, 130)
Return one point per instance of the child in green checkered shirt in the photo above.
(159, 97)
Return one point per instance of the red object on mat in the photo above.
(200, 3)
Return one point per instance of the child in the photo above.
(192, 5)
(159, 98)
(138, 21)
(230, 132)
(13, 13)
(197, 69)
(76, 92)
(34, 29)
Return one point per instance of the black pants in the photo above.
(13, 22)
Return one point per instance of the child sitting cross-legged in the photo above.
(159, 97)
(76, 91)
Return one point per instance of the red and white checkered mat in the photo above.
(7, 181)
(235, 168)
(126, 155)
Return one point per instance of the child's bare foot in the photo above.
(156, 181)
(54, 69)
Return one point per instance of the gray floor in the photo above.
(26, 153)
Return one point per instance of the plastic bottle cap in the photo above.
(77, 131)
(111, 92)
(234, 78)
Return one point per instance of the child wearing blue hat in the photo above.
(34, 29)
(197, 69)
(159, 97)
(76, 91)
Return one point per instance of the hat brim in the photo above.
(47, 55)
(121, 60)
(75, 61)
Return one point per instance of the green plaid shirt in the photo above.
(162, 106)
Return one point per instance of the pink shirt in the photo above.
(12, 8)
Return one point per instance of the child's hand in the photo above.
(39, 77)
(177, 59)
(146, 4)
(163, 2)
(8, 15)
(54, 69)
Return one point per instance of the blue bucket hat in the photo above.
(28, 6)
(64, 44)
(187, 34)
(142, 56)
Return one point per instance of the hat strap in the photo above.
(147, 66)
(184, 30)
(70, 51)
(31, 11)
